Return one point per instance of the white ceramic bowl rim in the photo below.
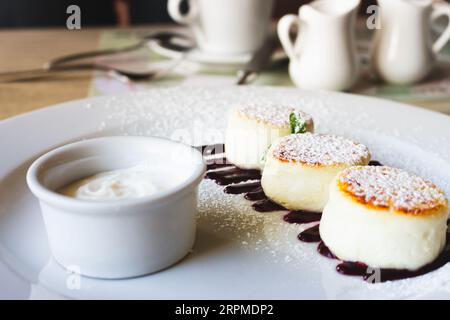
(49, 196)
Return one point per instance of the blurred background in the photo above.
(33, 32)
(45, 13)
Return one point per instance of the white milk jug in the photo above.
(323, 55)
(403, 51)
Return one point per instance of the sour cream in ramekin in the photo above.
(129, 183)
(134, 215)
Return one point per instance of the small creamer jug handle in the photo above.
(284, 33)
(441, 9)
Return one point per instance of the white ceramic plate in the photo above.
(238, 253)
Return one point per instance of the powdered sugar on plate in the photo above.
(196, 116)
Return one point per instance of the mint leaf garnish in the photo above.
(298, 125)
(264, 156)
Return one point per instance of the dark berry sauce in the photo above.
(243, 188)
(352, 268)
(233, 175)
(323, 250)
(310, 235)
(247, 182)
(255, 195)
(302, 217)
(267, 205)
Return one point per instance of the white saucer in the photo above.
(198, 56)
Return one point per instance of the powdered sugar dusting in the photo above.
(277, 115)
(200, 112)
(392, 188)
(320, 149)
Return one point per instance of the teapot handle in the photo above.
(441, 9)
(284, 29)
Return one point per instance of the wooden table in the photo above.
(22, 49)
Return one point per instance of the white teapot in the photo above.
(403, 51)
(323, 55)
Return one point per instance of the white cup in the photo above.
(226, 26)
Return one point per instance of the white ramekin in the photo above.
(119, 238)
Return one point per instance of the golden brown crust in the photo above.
(429, 204)
(314, 165)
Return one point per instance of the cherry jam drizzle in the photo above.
(310, 235)
(302, 217)
(247, 182)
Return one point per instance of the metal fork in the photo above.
(63, 64)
